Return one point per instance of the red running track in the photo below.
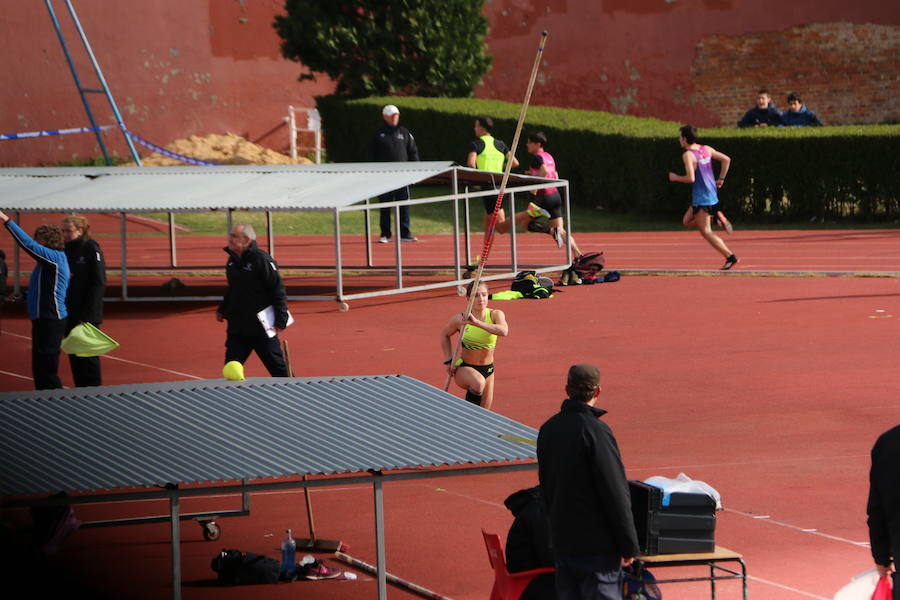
(771, 389)
(875, 250)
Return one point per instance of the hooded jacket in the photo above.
(801, 118)
(528, 540)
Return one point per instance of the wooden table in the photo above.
(710, 559)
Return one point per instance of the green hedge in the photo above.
(621, 162)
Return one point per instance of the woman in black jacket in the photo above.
(84, 299)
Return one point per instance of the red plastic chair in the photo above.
(507, 586)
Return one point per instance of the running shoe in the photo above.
(723, 222)
(317, 570)
(410, 238)
(557, 237)
(384, 239)
(729, 262)
(538, 227)
(536, 211)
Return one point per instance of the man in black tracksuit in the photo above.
(84, 298)
(884, 504)
(586, 494)
(253, 285)
(393, 143)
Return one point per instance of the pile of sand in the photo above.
(228, 149)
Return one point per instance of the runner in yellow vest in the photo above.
(489, 154)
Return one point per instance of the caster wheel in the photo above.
(211, 531)
(343, 306)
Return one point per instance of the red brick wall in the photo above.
(844, 72)
(193, 68)
(699, 61)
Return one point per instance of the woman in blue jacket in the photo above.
(45, 300)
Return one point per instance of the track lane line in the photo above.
(125, 360)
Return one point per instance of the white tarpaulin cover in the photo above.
(200, 189)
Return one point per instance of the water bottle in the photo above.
(288, 556)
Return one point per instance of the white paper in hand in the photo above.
(267, 319)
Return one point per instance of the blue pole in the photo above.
(112, 103)
(87, 107)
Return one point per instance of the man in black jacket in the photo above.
(884, 504)
(254, 284)
(764, 114)
(393, 143)
(586, 494)
(84, 298)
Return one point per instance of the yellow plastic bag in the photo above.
(87, 340)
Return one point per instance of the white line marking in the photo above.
(134, 362)
(125, 360)
(16, 375)
(794, 527)
(787, 587)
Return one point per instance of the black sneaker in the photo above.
(538, 227)
(729, 262)
(409, 238)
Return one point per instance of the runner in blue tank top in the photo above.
(704, 197)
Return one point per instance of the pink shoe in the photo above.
(725, 223)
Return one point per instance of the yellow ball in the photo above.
(233, 371)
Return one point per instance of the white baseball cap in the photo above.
(389, 110)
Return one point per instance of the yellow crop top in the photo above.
(476, 338)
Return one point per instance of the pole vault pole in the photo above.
(489, 236)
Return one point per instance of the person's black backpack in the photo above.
(585, 267)
(531, 286)
(245, 568)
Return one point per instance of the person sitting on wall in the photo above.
(764, 114)
(797, 115)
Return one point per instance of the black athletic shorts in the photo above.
(709, 208)
(552, 203)
(489, 203)
(485, 370)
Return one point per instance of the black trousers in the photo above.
(46, 336)
(85, 369)
(597, 577)
(387, 214)
(238, 347)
